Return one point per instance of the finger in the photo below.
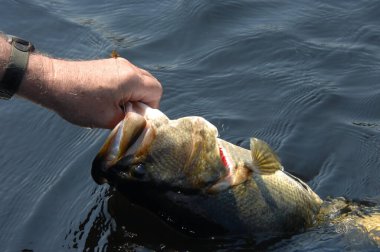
(153, 104)
(146, 89)
(149, 75)
(145, 72)
(153, 92)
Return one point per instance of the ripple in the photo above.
(303, 77)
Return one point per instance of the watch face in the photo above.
(21, 44)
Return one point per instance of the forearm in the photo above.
(41, 84)
(87, 93)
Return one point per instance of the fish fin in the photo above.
(240, 175)
(220, 186)
(264, 158)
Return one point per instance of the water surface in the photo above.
(301, 75)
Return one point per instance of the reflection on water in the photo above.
(95, 226)
(304, 77)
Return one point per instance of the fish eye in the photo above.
(138, 171)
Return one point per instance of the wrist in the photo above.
(36, 84)
(14, 71)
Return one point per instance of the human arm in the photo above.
(87, 93)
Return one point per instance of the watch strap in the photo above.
(15, 70)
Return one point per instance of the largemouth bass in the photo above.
(182, 171)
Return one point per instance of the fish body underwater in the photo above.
(180, 169)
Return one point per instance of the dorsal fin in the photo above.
(263, 157)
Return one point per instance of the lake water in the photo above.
(302, 75)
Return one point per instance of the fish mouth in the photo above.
(130, 137)
(120, 140)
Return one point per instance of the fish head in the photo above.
(149, 151)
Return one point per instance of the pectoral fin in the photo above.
(263, 157)
(239, 176)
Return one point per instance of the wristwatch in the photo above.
(16, 67)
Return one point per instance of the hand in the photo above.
(89, 93)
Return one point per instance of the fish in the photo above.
(183, 172)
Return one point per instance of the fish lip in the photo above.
(120, 140)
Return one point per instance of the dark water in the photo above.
(302, 75)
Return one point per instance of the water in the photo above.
(301, 75)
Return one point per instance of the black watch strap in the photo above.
(15, 70)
